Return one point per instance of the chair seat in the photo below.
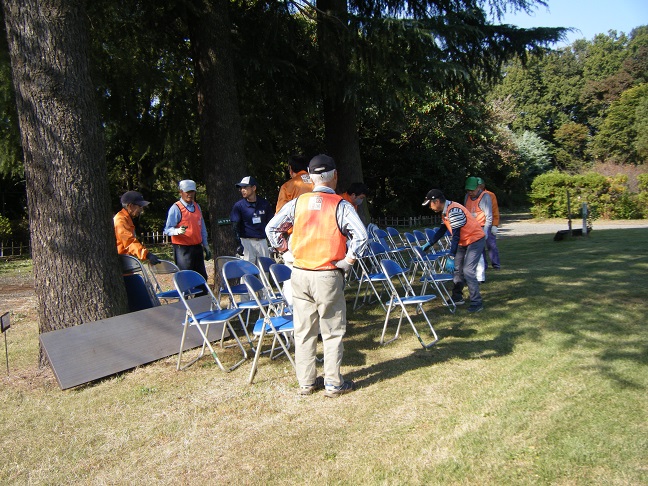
(169, 294)
(251, 304)
(280, 323)
(374, 277)
(417, 299)
(438, 277)
(214, 316)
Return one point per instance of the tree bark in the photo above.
(339, 107)
(221, 135)
(76, 270)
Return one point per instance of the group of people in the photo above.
(321, 235)
(473, 227)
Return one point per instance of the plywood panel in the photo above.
(94, 350)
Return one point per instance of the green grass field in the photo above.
(548, 385)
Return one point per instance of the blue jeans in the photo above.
(466, 262)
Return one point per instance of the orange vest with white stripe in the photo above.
(475, 210)
(193, 222)
(496, 217)
(317, 241)
(470, 232)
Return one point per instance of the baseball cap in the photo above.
(247, 181)
(432, 195)
(187, 185)
(321, 163)
(471, 184)
(133, 197)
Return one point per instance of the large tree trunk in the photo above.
(341, 128)
(221, 136)
(76, 271)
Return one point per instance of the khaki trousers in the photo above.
(319, 307)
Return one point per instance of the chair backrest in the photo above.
(237, 268)
(165, 267)
(280, 273)
(393, 269)
(411, 239)
(420, 236)
(130, 265)
(430, 233)
(185, 281)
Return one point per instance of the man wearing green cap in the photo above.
(480, 206)
(491, 239)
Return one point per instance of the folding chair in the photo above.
(281, 274)
(394, 272)
(132, 266)
(264, 264)
(397, 253)
(218, 277)
(165, 267)
(432, 265)
(280, 327)
(233, 271)
(185, 281)
(371, 274)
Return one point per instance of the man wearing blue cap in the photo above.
(249, 217)
(186, 227)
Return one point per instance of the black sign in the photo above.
(4, 322)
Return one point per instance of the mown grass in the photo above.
(546, 386)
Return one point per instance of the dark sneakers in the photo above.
(310, 389)
(336, 391)
(475, 307)
(458, 300)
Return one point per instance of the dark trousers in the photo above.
(190, 257)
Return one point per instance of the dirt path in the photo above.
(522, 224)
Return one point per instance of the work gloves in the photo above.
(153, 260)
(208, 254)
(182, 230)
(239, 250)
(426, 246)
(344, 266)
(450, 265)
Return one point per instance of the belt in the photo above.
(246, 238)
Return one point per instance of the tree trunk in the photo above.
(221, 136)
(341, 128)
(76, 271)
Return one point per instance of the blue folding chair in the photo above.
(409, 298)
(185, 281)
(280, 327)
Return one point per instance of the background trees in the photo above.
(76, 273)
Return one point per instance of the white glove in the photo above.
(344, 265)
(494, 230)
(288, 257)
(181, 230)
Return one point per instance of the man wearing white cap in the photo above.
(249, 217)
(186, 227)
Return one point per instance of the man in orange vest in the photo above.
(481, 207)
(491, 237)
(133, 205)
(299, 182)
(322, 224)
(466, 247)
(186, 227)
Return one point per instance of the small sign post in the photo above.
(4, 325)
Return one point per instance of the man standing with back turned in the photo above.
(321, 222)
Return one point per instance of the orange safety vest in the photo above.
(317, 241)
(293, 188)
(193, 222)
(475, 210)
(471, 231)
(496, 216)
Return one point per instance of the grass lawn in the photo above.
(548, 385)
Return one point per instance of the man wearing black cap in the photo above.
(133, 204)
(321, 223)
(249, 217)
(466, 248)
